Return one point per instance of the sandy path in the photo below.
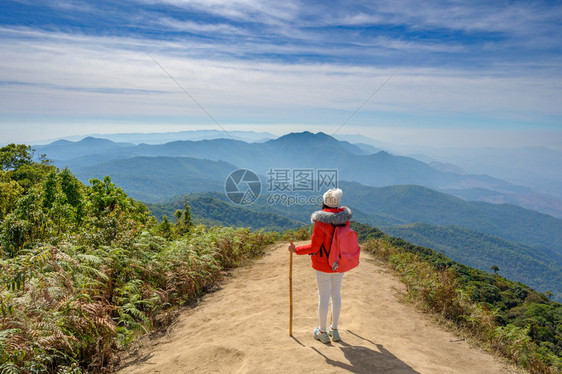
(243, 328)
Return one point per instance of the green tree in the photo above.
(30, 175)
(105, 196)
(495, 269)
(183, 220)
(71, 187)
(187, 222)
(109, 215)
(29, 208)
(10, 192)
(61, 213)
(13, 156)
(49, 190)
(165, 228)
(178, 215)
(14, 234)
(43, 160)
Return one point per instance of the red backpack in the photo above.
(344, 250)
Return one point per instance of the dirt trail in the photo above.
(243, 328)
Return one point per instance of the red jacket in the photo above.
(324, 221)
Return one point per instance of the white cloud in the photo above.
(70, 5)
(59, 73)
(470, 15)
(271, 11)
(190, 26)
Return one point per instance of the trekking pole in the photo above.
(291, 293)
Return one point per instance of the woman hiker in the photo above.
(327, 280)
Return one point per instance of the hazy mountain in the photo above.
(67, 150)
(367, 148)
(413, 204)
(361, 139)
(315, 144)
(446, 167)
(154, 178)
(312, 151)
(531, 199)
(166, 137)
(539, 168)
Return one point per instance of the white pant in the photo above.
(329, 285)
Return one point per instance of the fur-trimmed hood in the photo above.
(339, 218)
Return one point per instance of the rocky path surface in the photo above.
(243, 328)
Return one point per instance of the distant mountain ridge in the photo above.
(307, 150)
(413, 204)
(537, 167)
(165, 137)
(68, 150)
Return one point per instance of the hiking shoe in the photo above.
(334, 334)
(322, 336)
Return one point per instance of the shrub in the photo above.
(473, 301)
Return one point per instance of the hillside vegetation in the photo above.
(209, 210)
(507, 317)
(482, 251)
(85, 269)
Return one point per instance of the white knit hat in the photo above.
(332, 197)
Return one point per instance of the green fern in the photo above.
(10, 368)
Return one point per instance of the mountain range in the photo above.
(303, 150)
(165, 137)
(403, 195)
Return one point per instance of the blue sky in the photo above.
(462, 73)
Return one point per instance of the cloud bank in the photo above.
(471, 65)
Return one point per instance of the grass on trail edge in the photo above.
(507, 318)
(71, 309)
